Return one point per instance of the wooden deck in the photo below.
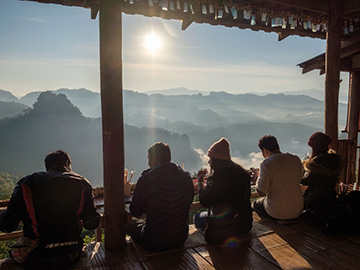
(269, 246)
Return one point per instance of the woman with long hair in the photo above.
(321, 174)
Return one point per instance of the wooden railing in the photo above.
(12, 235)
(195, 206)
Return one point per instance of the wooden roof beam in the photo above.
(349, 50)
(345, 66)
(282, 36)
(351, 6)
(310, 5)
(317, 65)
(319, 61)
(95, 6)
(186, 23)
(94, 12)
(77, 3)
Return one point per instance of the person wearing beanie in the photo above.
(220, 149)
(226, 195)
(321, 174)
(319, 143)
(278, 182)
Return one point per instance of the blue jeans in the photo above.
(200, 220)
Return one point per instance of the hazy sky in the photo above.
(46, 47)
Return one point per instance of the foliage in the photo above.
(88, 236)
(5, 247)
(7, 184)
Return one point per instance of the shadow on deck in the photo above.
(269, 246)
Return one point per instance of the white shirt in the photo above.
(280, 177)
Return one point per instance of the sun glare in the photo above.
(153, 42)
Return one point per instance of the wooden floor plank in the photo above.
(241, 257)
(317, 239)
(352, 237)
(119, 259)
(310, 249)
(347, 254)
(179, 260)
(279, 252)
(283, 229)
(195, 238)
(269, 245)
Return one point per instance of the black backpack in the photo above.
(345, 217)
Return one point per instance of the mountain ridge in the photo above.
(141, 108)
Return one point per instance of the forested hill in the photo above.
(9, 109)
(7, 184)
(55, 123)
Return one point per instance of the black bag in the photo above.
(346, 217)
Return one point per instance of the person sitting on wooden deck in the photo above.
(53, 206)
(227, 195)
(279, 181)
(164, 193)
(322, 172)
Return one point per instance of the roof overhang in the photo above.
(286, 17)
(348, 50)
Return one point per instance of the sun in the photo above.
(153, 42)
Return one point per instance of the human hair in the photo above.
(268, 142)
(161, 151)
(57, 158)
(319, 142)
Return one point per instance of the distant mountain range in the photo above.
(314, 93)
(7, 96)
(43, 121)
(184, 113)
(177, 92)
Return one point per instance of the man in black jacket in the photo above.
(164, 193)
(54, 206)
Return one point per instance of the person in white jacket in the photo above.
(278, 182)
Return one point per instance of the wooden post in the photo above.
(353, 125)
(332, 69)
(112, 122)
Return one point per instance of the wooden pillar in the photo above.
(332, 69)
(112, 122)
(353, 125)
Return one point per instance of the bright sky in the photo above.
(46, 47)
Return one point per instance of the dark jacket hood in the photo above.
(327, 164)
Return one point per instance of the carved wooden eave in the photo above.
(311, 15)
